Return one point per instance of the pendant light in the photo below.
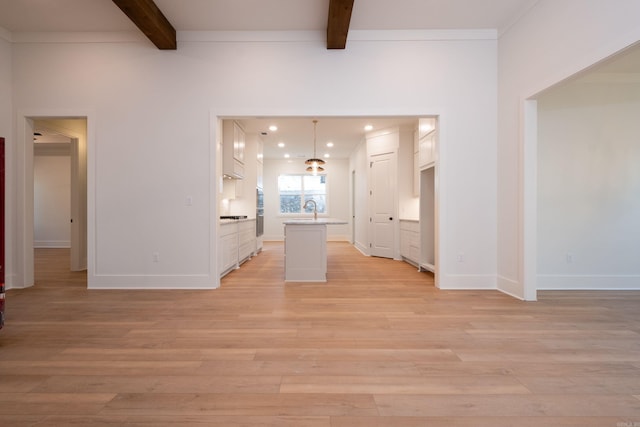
(314, 164)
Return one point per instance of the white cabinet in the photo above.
(233, 142)
(228, 247)
(410, 241)
(427, 150)
(237, 243)
(246, 239)
(305, 253)
(427, 139)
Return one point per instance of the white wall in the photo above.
(52, 196)
(552, 42)
(337, 171)
(588, 186)
(151, 145)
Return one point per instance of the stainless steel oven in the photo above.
(259, 212)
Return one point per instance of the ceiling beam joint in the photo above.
(151, 21)
(338, 23)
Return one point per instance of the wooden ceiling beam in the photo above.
(151, 21)
(338, 25)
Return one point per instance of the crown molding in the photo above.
(250, 36)
(78, 37)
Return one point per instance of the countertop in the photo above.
(311, 221)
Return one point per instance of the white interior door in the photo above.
(383, 205)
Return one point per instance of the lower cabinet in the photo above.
(228, 247)
(410, 241)
(237, 243)
(246, 240)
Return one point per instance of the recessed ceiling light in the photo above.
(329, 144)
(286, 156)
(281, 144)
(326, 156)
(273, 128)
(368, 128)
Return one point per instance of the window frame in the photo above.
(302, 213)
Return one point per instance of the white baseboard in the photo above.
(106, 281)
(362, 248)
(56, 244)
(330, 238)
(558, 282)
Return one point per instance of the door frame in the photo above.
(215, 121)
(23, 265)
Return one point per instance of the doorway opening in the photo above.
(55, 195)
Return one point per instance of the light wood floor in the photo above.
(377, 345)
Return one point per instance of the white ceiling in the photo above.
(286, 15)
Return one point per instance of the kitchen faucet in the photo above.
(315, 208)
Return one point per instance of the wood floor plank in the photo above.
(242, 404)
(53, 403)
(550, 405)
(403, 385)
(377, 345)
(159, 384)
(173, 421)
(479, 422)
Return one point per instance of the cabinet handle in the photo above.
(390, 218)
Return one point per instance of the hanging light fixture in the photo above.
(314, 164)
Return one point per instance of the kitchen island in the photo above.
(305, 249)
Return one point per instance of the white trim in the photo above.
(421, 35)
(529, 199)
(362, 248)
(251, 36)
(215, 196)
(52, 244)
(78, 37)
(194, 281)
(588, 282)
(22, 272)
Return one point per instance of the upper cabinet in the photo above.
(427, 139)
(233, 143)
(259, 163)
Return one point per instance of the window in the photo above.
(295, 190)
